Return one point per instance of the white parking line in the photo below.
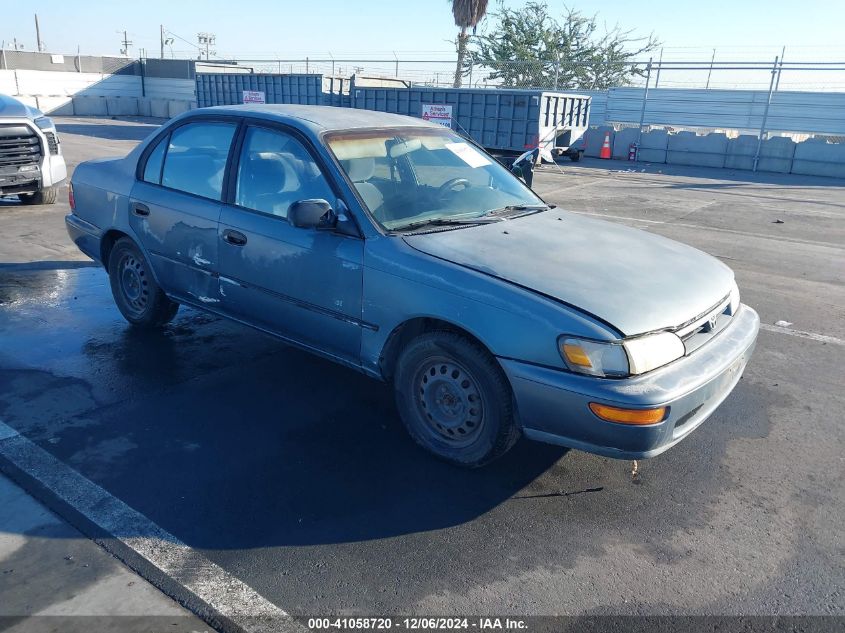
(822, 338)
(221, 595)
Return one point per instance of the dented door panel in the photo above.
(179, 232)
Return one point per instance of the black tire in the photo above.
(454, 399)
(47, 195)
(575, 157)
(137, 295)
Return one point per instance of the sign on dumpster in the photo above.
(437, 113)
(254, 96)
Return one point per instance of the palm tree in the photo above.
(468, 13)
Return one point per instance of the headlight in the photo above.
(625, 358)
(45, 123)
(653, 351)
(594, 358)
(734, 299)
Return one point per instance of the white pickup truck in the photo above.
(31, 162)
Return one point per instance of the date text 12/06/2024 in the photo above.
(417, 624)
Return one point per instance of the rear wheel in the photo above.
(137, 295)
(47, 195)
(454, 399)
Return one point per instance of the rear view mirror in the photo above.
(405, 147)
(310, 214)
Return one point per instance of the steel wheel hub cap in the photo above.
(449, 401)
(133, 283)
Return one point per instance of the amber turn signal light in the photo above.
(628, 416)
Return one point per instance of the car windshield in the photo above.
(411, 177)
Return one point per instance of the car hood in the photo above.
(636, 281)
(12, 108)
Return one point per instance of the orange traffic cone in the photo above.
(605, 148)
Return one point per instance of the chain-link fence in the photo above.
(737, 71)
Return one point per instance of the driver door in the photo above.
(302, 284)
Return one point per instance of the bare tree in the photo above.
(467, 13)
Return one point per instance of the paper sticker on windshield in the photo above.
(468, 154)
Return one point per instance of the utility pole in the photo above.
(126, 44)
(206, 40)
(165, 41)
(38, 33)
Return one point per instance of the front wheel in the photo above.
(454, 399)
(47, 195)
(575, 157)
(137, 295)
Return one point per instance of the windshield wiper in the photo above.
(519, 207)
(447, 222)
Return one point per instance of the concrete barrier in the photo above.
(740, 152)
(90, 106)
(175, 108)
(622, 142)
(122, 106)
(653, 146)
(59, 106)
(688, 148)
(28, 100)
(776, 155)
(159, 108)
(144, 107)
(816, 157)
(594, 138)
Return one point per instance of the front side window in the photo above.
(413, 175)
(276, 170)
(196, 158)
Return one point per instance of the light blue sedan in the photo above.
(403, 251)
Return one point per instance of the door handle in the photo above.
(140, 209)
(235, 238)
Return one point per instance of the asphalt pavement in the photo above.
(295, 477)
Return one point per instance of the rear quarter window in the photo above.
(152, 170)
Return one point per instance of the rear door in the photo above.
(304, 284)
(175, 206)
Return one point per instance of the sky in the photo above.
(739, 30)
(296, 28)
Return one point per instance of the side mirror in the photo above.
(311, 214)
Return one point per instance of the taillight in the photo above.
(70, 199)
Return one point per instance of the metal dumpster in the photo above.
(497, 119)
(228, 89)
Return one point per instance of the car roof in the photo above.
(320, 118)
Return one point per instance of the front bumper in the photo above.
(13, 181)
(50, 171)
(553, 404)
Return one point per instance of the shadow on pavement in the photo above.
(269, 445)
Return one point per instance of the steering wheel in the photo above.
(450, 184)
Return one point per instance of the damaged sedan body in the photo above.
(400, 249)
